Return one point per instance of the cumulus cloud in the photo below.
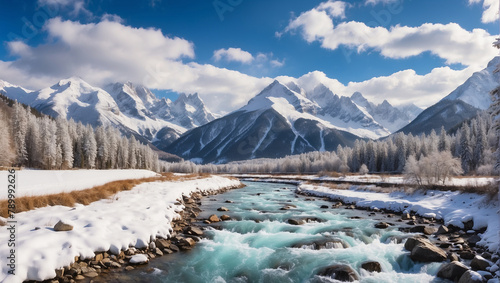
(76, 7)
(112, 18)
(491, 8)
(399, 88)
(233, 55)
(409, 87)
(375, 2)
(448, 41)
(109, 51)
(336, 9)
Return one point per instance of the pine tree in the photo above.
(20, 130)
(7, 154)
(400, 142)
(132, 156)
(89, 147)
(33, 143)
(65, 143)
(443, 144)
(465, 149)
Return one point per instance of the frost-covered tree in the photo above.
(132, 157)
(19, 131)
(400, 142)
(7, 154)
(433, 169)
(465, 148)
(363, 170)
(33, 143)
(65, 144)
(89, 147)
(443, 143)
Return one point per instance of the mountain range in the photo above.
(282, 119)
(461, 104)
(133, 109)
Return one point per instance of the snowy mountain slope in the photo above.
(390, 117)
(411, 110)
(275, 123)
(476, 90)
(25, 96)
(461, 104)
(133, 109)
(345, 114)
(189, 111)
(447, 113)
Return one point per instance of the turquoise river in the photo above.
(260, 245)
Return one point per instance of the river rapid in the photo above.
(260, 244)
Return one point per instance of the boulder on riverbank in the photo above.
(423, 250)
(471, 277)
(62, 227)
(427, 252)
(452, 271)
(139, 259)
(213, 218)
(479, 263)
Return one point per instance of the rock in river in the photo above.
(340, 272)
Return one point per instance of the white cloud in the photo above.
(399, 88)
(336, 9)
(112, 18)
(448, 41)
(233, 55)
(490, 13)
(106, 52)
(408, 87)
(375, 2)
(76, 7)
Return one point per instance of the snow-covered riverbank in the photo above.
(130, 218)
(368, 179)
(44, 182)
(454, 208)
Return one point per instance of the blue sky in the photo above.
(227, 50)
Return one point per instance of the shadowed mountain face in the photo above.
(275, 123)
(461, 104)
(447, 113)
(246, 135)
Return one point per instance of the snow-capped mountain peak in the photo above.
(476, 90)
(360, 100)
(267, 98)
(131, 108)
(461, 104)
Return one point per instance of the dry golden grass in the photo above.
(88, 196)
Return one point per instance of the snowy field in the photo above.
(463, 181)
(130, 218)
(453, 207)
(43, 182)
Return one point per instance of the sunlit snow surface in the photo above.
(130, 218)
(43, 182)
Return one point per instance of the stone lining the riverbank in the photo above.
(436, 242)
(184, 237)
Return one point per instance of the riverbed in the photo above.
(262, 244)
